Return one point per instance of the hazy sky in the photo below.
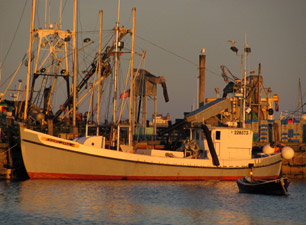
(275, 30)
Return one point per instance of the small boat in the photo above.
(269, 187)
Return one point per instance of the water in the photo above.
(138, 202)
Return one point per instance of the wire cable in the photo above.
(10, 46)
(181, 57)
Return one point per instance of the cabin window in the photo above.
(218, 135)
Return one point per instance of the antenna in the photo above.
(46, 6)
(1, 60)
(118, 12)
(300, 101)
(60, 15)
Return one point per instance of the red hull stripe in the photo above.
(60, 176)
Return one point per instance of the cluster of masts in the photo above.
(55, 64)
(51, 61)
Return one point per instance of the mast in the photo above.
(258, 105)
(244, 81)
(247, 51)
(99, 71)
(60, 15)
(132, 103)
(46, 4)
(29, 61)
(116, 65)
(244, 92)
(300, 100)
(74, 66)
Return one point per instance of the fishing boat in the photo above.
(208, 153)
(228, 157)
(277, 186)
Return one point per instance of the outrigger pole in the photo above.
(99, 71)
(132, 102)
(116, 66)
(75, 56)
(25, 114)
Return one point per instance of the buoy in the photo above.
(267, 149)
(287, 152)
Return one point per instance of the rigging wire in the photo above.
(36, 12)
(172, 53)
(64, 7)
(13, 39)
(181, 57)
(79, 21)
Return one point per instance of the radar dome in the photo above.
(267, 149)
(287, 152)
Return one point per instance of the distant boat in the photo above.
(269, 187)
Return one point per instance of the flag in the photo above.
(125, 94)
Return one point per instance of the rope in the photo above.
(9, 149)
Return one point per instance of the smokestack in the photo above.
(202, 77)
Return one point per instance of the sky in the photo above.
(173, 33)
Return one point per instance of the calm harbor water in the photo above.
(138, 202)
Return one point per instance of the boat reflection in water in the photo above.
(129, 202)
(144, 202)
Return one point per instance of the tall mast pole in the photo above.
(116, 65)
(131, 111)
(244, 82)
(25, 114)
(241, 91)
(99, 72)
(46, 6)
(60, 15)
(259, 91)
(302, 103)
(74, 66)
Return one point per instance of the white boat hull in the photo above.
(48, 157)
